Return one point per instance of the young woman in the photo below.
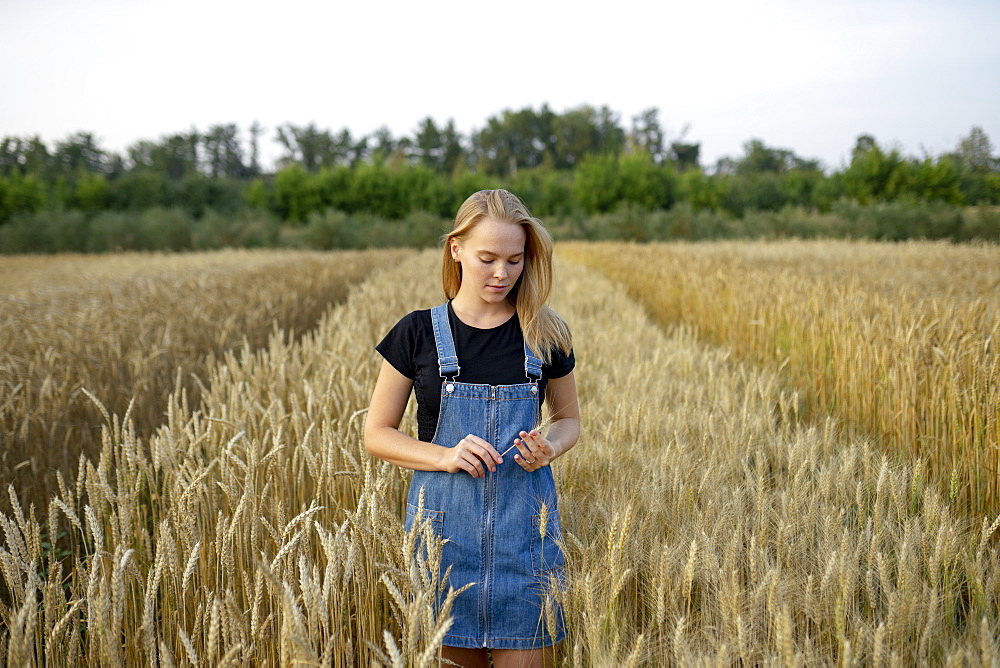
(480, 366)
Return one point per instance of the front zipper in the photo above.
(489, 525)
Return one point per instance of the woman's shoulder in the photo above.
(560, 363)
(412, 327)
(408, 341)
(419, 319)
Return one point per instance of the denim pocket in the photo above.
(436, 518)
(546, 551)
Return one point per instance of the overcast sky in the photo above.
(798, 74)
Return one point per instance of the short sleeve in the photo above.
(560, 365)
(399, 346)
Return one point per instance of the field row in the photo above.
(899, 341)
(704, 520)
(131, 329)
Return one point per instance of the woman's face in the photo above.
(492, 257)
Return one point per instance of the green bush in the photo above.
(111, 231)
(21, 195)
(153, 229)
(174, 229)
(138, 190)
(790, 221)
(325, 230)
(245, 229)
(901, 219)
(982, 222)
(164, 229)
(424, 230)
(683, 221)
(46, 231)
(257, 230)
(632, 221)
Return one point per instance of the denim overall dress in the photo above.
(498, 535)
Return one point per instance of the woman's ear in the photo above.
(454, 249)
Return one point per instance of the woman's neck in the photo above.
(479, 314)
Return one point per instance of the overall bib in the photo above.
(502, 531)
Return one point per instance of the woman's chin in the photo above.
(495, 297)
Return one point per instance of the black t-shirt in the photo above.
(486, 356)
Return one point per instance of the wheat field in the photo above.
(898, 340)
(132, 328)
(707, 518)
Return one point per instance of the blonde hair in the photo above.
(543, 328)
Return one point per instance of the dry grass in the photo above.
(900, 341)
(137, 326)
(703, 521)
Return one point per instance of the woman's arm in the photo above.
(384, 440)
(564, 431)
(536, 450)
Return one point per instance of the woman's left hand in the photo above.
(535, 450)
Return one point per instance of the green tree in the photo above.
(92, 193)
(309, 146)
(643, 182)
(223, 152)
(873, 174)
(79, 153)
(139, 189)
(439, 149)
(515, 139)
(685, 155)
(296, 194)
(610, 134)
(976, 152)
(378, 189)
(647, 135)
(700, 191)
(21, 193)
(256, 195)
(937, 180)
(427, 144)
(335, 189)
(193, 192)
(421, 189)
(576, 137)
(453, 153)
(597, 183)
(759, 158)
(977, 168)
(25, 156)
(253, 168)
(356, 150)
(384, 144)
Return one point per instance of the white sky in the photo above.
(799, 74)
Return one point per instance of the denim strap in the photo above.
(447, 357)
(532, 365)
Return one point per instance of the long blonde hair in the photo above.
(543, 328)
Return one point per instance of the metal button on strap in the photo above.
(449, 388)
(534, 389)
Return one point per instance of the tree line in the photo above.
(583, 162)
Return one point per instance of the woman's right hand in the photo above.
(470, 454)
